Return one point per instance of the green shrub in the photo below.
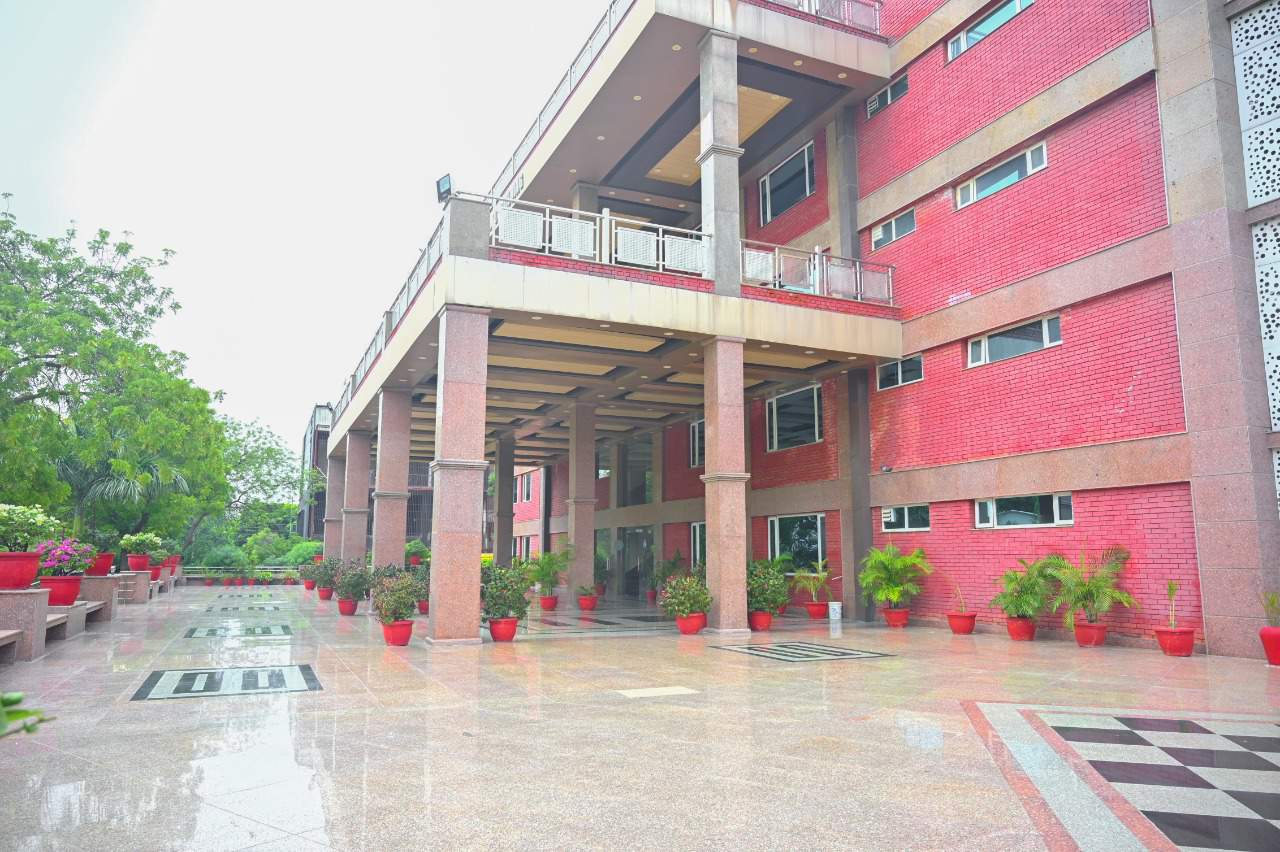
(395, 598)
(1025, 593)
(144, 542)
(226, 556)
(326, 573)
(353, 582)
(892, 577)
(684, 595)
(422, 580)
(503, 591)
(417, 548)
(813, 581)
(23, 527)
(767, 585)
(545, 569)
(1090, 586)
(302, 552)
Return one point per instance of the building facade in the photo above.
(992, 279)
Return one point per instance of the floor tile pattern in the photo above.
(801, 652)
(208, 683)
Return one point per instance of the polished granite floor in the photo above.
(259, 718)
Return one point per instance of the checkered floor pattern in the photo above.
(1206, 784)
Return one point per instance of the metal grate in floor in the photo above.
(801, 652)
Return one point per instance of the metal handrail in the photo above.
(786, 268)
(860, 14)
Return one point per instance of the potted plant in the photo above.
(101, 566)
(393, 602)
(1024, 596)
(1090, 588)
(545, 570)
(892, 578)
(352, 585)
(415, 552)
(142, 549)
(325, 575)
(62, 565)
(813, 582)
(317, 558)
(290, 577)
(587, 598)
(766, 591)
(422, 586)
(1270, 635)
(960, 620)
(308, 575)
(242, 574)
(600, 571)
(265, 578)
(22, 527)
(1175, 641)
(503, 600)
(662, 572)
(686, 598)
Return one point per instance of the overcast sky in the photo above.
(287, 151)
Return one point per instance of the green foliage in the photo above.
(684, 595)
(503, 591)
(23, 527)
(892, 577)
(145, 542)
(422, 580)
(264, 576)
(290, 575)
(326, 573)
(353, 582)
(1025, 593)
(1171, 590)
(585, 591)
(1271, 608)
(395, 598)
(417, 548)
(600, 570)
(1089, 586)
(227, 556)
(814, 581)
(666, 569)
(27, 721)
(767, 584)
(266, 545)
(545, 569)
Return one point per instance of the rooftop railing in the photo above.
(861, 14)
(821, 274)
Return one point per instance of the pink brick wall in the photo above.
(531, 509)
(1153, 522)
(800, 219)
(808, 463)
(835, 565)
(947, 101)
(1104, 184)
(677, 537)
(679, 481)
(1115, 376)
(898, 17)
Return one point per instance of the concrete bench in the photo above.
(73, 618)
(137, 584)
(55, 624)
(100, 594)
(26, 611)
(9, 645)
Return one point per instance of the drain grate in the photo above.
(261, 608)
(221, 632)
(802, 652)
(205, 683)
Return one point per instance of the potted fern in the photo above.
(502, 595)
(892, 578)
(545, 570)
(1270, 635)
(1089, 587)
(766, 591)
(813, 582)
(1024, 596)
(393, 602)
(1175, 641)
(353, 583)
(960, 620)
(687, 599)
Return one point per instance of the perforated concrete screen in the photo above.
(1255, 38)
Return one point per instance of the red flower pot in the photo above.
(347, 606)
(1020, 629)
(782, 609)
(962, 622)
(208, 581)
(63, 591)
(101, 566)
(816, 609)
(1090, 635)
(252, 582)
(226, 581)
(1176, 641)
(895, 617)
(138, 561)
(547, 602)
(502, 629)
(289, 581)
(759, 619)
(308, 584)
(415, 560)
(18, 570)
(690, 624)
(325, 592)
(1270, 637)
(155, 571)
(599, 590)
(317, 559)
(587, 602)
(239, 581)
(397, 632)
(651, 595)
(424, 607)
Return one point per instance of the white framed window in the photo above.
(1033, 510)
(1015, 340)
(905, 518)
(697, 443)
(515, 491)
(904, 372)
(991, 22)
(890, 93)
(790, 182)
(894, 229)
(1006, 174)
(528, 487)
(698, 543)
(793, 419)
(803, 537)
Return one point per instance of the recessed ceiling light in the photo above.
(693, 354)
(753, 50)
(666, 366)
(535, 318)
(648, 199)
(637, 97)
(402, 380)
(422, 357)
(551, 201)
(573, 171)
(644, 377)
(852, 358)
(611, 192)
(599, 138)
(681, 206)
(798, 63)
(668, 334)
(808, 351)
(600, 395)
(433, 344)
(604, 325)
(841, 75)
(622, 387)
(842, 372)
(765, 345)
(677, 48)
(413, 369)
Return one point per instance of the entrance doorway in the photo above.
(635, 555)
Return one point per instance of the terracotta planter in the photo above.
(1020, 629)
(962, 623)
(325, 592)
(692, 623)
(308, 584)
(424, 607)
(895, 617)
(397, 632)
(1090, 635)
(651, 596)
(138, 561)
(502, 629)
(226, 581)
(587, 602)
(1270, 637)
(1176, 641)
(759, 619)
(415, 560)
(63, 591)
(101, 566)
(18, 570)
(816, 609)
(347, 606)
(547, 602)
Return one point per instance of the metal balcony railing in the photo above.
(862, 14)
(822, 274)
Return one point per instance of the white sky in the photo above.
(286, 150)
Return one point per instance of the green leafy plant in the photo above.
(22, 527)
(395, 598)
(290, 575)
(684, 595)
(586, 591)
(144, 542)
(65, 558)
(226, 556)
(417, 548)
(767, 584)
(422, 580)
(545, 569)
(600, 570)
(264, 576)
(303, 553)
(503, 590)
(814, 581)
(26, 720)
(1271, 608)
(326, 573)
(353, 582)
(1171, 591)
(892, 577)
(1025, 593)
(666, 569)
(1090, 587)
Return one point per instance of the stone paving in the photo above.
(216, 719)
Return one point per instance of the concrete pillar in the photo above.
(335, 490)
(857, 528)
(718, 159)
(355, 503)
(846, 162)
(391, 484)
(26, 610)
(459, 468)
(726, 481)
(582, 494)
(504, 511)
(585, 197)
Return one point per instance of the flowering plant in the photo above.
(65, 558)
(23, 526)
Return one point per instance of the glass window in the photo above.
(801, 536)
(787, 185)
(794, 419)
(1019, 340)
(887, 95)
(697, 442)
(528, 487)
(603, 465)
(895, 228)
(997, 18)
(1004, 175)
(904, 518)
(698, 542)
(1036, 510)
(902, 372)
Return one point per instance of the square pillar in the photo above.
(391, 485)
(101, 589)
(335, 489)
(26, 610)
(459, 469)
(582, 495)
(718, 159)
(504, 493)
(355, 503)
(726, 481)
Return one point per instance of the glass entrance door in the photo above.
(635, 551)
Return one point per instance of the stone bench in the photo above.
(55, 624)
(73, 619)
(27, 611)
(100, 593)
(137, 585)
(9, 645)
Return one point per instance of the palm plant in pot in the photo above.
(143, 548)
(1270, 635)
(545, 570)
(394, 599)
(1175, 641)
(62, 565)
(766, 591)
(503, 600)
(1024, 596)
(587, 598)
(326, 574)
(813, 582)
(352, 584)
(422, 586)
(415, 552)
(892, 578)
(686, 598)
(21, 528)
(1089, 587)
